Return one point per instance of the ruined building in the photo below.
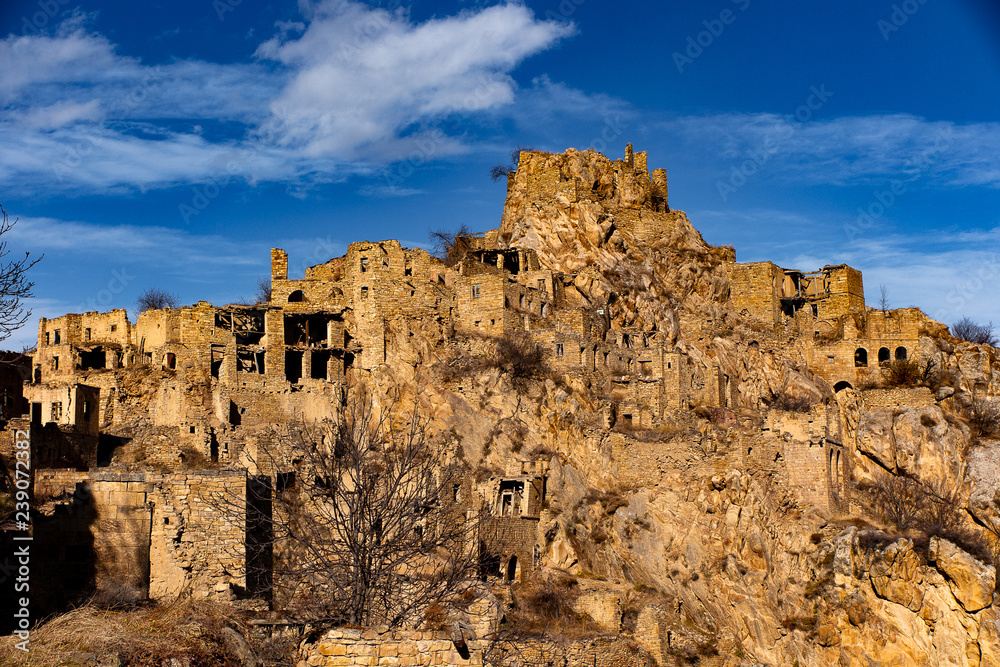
(197, 385)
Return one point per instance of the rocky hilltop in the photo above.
(709, 462)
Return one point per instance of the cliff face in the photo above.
(734, 523)
(607, 224)
(729, 545)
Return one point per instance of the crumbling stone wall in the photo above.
(755, 288)
(409, 648)
(818, 465)
(163, 534)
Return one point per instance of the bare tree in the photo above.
(501, 170)
(14, 284)
(452, 247)
(883, 302)
(973, 332)
(155, 299)
(263, 294)
(365, 524)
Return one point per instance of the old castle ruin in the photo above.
(185, 392)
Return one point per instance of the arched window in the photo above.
(297, 296)
(860, 358)
(883, 356)
(842, 385)
(901, 353)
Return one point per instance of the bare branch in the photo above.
(14, 285)
(362, 525)
(155, 299)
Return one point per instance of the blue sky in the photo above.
(171, 144)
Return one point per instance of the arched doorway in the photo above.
(861, 358)
(842, 385)
(511, 573)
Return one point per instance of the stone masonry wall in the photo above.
(755, 289)
(409, 648)
(162, 533)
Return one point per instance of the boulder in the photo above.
(972, 581)
(895, 575)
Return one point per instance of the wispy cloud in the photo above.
(848, 150)
(946, 273)
(353, 89)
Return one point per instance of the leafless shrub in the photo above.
(262, 295)
(519, 357)
(984, 417)
(155, 298)
(933, 376)
(610, 501)
(973, 332)
(913, 506)
(366, 529)
(452, 247)
(789, 403)
(804, 623)
(897, 500)
(459, 366)
(874, 540)
(902, 373)
(546, 609)
(500, 171)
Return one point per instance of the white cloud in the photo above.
(363, 75)
(355, 88)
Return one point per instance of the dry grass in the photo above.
(145, 637)
(545, 608)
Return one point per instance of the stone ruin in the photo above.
(217, 373)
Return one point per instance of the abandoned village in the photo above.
(136, 422)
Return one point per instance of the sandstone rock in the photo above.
(875, 437)
(928, 446)
(972, 581)
(984, 498)
(895, 575)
